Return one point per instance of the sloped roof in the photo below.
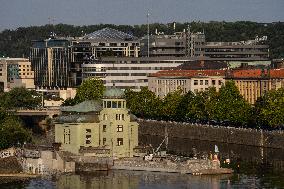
(113, 92)
(258, 73)
(77, 119)
(83, 107)
(109, 34)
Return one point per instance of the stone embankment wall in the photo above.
(231, 135)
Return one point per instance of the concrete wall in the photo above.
(250, 137)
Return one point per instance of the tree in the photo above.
(143, 103)
(20, 98)
(231, 106)
(196, 108)
(90, 89)
(170, 105)
(12, 132)
(183, 107)
(270, 109)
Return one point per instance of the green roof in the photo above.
(77, 119)
(113, 93)
(86, 106)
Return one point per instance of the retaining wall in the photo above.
(251, 137)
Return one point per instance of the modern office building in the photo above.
(111, 42)
(95, 129)
(16, 72)
(50, 60)
(194, 45)
(164, 82)
(251, 50)
(57, 61)
(179, 44)
(256, 82)
(129, 72)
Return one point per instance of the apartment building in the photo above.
(129, 72)
(164, 82)
(16, 72)
(256, 82)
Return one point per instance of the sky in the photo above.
(18, 13)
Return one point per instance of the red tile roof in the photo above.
(257, 73)
(188, 73)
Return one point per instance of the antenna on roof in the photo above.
(148, 34)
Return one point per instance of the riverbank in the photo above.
(230, 135)
(193, 167)
(16, 177)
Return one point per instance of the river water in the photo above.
(254, 168)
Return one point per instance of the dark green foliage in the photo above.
(231, 106)
(90, 89)
(16, 43)
(270, 109)
(12, 133)
(20, 98)
(144, 103)
(226, 107)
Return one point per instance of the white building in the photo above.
(129, 72)
(164, 82)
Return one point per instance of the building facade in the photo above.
(3, 75)
(94, 130)
(253, 84)
(194, 45)
(57, 61)
(50, 61)
(16, 72)
(179, 44)
(129, 72)
(164, 82)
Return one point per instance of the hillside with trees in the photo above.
(16, 43)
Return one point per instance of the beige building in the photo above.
(92, 129)
(16, 72)
(3, 75)
(256, 82)
(164, 82)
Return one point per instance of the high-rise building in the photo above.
(50, 60)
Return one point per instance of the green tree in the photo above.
(170, 105)
(231, 106)
(144, 103)
(70, 102)
(12, 132)
(270, 109)
(90, 89)
(183, 107)
(20, 98)
(196, 108)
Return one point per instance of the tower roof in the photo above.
(113, 92)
